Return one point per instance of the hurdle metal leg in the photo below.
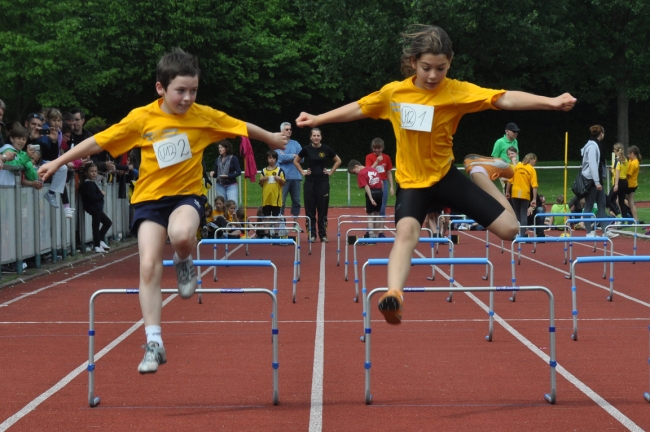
(549, 397)
(94, 400)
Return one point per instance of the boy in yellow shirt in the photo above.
(172, 133)
(425, 110)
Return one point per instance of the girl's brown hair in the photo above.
(529, 158)
(421, 39)
(635, 150)
(595, 131)
(620, 153)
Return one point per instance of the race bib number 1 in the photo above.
(416, 117)
(172, 150)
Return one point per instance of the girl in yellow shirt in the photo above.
(519, 187)
(425, 110)
(634, 156)
(619, 184)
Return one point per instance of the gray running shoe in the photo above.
(50, 198)
(154, 355)
(186, 276)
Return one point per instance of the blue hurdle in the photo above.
(371, 241)
(438, 261)
(226, 242)
(606, 259)
(462, 219)
(629, 225)
(293, 224)
(347, 244)
(358, 220)
(564, 240)
(93, 400)
(549, 397)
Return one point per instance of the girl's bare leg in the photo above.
(506, 225)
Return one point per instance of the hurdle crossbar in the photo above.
(94, 400)
(359, 219)
(549, 397)
(437, 261)
(565, 240)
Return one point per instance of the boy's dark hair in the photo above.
(66, 128)
(177, 62)
(67, 116)
(377, 142)
(17, 131)
(272, 153)
(353, 163)
(78, 111)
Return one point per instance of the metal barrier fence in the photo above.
(31, 228)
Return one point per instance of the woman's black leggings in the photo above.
(317, 199)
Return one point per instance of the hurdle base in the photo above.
(94, 402)
(549, 398)
(646, 396)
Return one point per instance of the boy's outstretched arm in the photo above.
(346, 113)
(87, 147)
(274, 140)
(516, 100)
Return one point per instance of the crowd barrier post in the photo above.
(19, 223)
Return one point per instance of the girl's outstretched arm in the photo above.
(516, 100)
(346, 113)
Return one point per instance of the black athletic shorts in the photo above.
(269, 210)
(455, 191)
(377, 195)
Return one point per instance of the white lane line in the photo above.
(599, 400)
(316, 411)
(7, 303)
(72, 375)
(559, 270)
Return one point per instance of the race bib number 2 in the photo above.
(416, 117)
(172, 150)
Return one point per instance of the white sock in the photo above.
(477, 169)
(154, 334)
(178, 259)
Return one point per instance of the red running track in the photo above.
(433, 372)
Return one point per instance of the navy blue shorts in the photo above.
(158, 211)
(454, 190)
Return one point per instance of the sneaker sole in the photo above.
(505, 169)
(391, 308)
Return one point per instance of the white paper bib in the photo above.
(172, 150)
(416, 117)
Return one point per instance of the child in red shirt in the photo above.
(382, 163)
(368, 178)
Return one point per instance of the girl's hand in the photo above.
(278, 141)
(277, 178)
(564, 102)
(103, 193)
(615, 188)
(308, 172)
(530, 211)
(306, 119)
(507, 195)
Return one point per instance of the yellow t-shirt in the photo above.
(148, 125)
(633, 173)
(215, 214)
(272, 192)
(423, 158)
(525, 178)
(622, 170)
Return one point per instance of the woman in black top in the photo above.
(317, 186)
(226, 171)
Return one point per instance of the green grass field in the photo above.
(551, 184)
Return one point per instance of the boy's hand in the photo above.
(278, 141)
(392, 191)
(380, 158)
(308, 172)
(372, 201)
(565, 102)
(46, 171)
(9, 156)
(306, 119)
